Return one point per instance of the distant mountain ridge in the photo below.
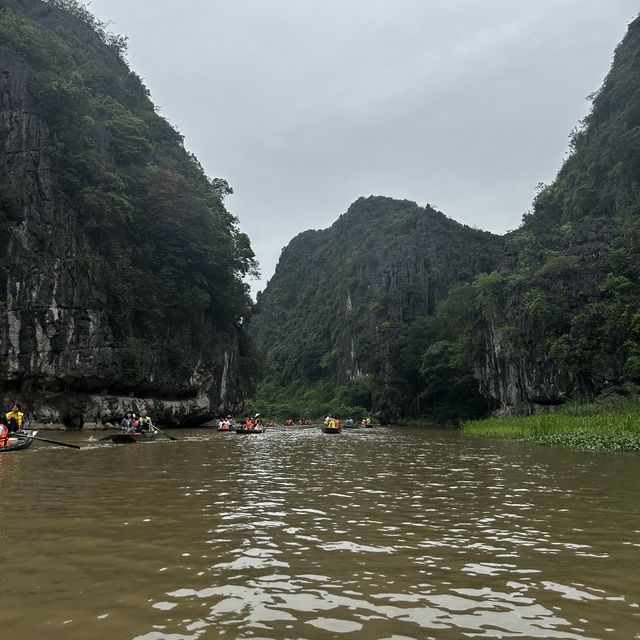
(403, 312)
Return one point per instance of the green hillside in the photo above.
(448, 322)
(121, 267)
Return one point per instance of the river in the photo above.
(386, 533)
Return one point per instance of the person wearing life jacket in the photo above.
(14, 418)
(144, 422)
(4, 434)
(249, 423)
(257, 421)
(226, 424)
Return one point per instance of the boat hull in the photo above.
(249, 431)
(21, 443)
(130, 438)
(329, 430)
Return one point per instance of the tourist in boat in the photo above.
(14, 418)
(144, 422)
(257, 421)
(128, 424)
(226, 424)
(4, 435)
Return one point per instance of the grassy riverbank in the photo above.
(610, 426)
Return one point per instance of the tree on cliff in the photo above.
(138, 266)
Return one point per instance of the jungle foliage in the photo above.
(153, 226)
(386, 314)
(353, 322)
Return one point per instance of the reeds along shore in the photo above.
(611, 425)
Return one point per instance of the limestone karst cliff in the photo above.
(398, 311)
(121, 271)
(563, 319)
(340, 318)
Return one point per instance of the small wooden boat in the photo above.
(128, 438)
(252, 430)
(331, 429)
(15, 444)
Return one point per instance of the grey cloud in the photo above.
(305, 105)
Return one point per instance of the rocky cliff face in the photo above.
(339, 310)
(401, 311)
(568, 295)
(65, 351)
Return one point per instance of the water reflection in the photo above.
(389, 535)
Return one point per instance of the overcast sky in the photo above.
(305, 105)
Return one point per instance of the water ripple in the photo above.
(392, 535)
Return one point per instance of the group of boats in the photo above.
(333, 425)
(330, 425)
(23, 439)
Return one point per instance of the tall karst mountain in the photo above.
(564, 320)
(121, 271)
(398, 310)
(341, 318)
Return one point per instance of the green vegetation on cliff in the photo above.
(444, 322)
(145, 224)
(352, 323)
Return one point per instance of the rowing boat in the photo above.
(245, 430)
(129, 438)
(15, 444)
(331, 429)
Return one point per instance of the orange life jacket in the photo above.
(4, 436)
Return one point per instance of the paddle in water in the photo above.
(166, 435)
(47, 440)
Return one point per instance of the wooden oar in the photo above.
(60, 444)
(166, 434)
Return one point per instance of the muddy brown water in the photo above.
(385, 533)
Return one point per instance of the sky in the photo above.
(305, 105)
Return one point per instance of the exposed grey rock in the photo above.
(59, 355)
